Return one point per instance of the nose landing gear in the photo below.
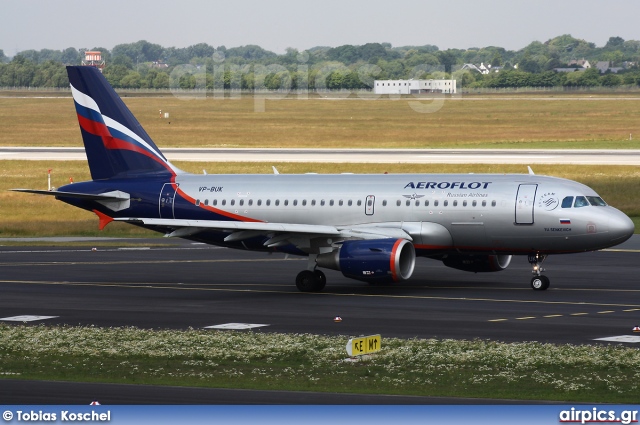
(539, 282)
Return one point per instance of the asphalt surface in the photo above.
(592, 295)
(406, 156)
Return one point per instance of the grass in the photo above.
(26, 215)
(496, 122)
(304, 362)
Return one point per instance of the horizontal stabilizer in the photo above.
(109, 196)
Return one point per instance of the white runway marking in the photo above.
(622, 338)
(236, 326)
(26, 318)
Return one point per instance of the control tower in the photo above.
(93, 58)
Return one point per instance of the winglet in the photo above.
(104, 219)
(530, 170)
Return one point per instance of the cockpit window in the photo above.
(567, 202)
(581, 201)
(596, 201)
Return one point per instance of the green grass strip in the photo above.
(257, 360)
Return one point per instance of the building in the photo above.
(93, 58)
(414, 86)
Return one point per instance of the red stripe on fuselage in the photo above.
(191, 200)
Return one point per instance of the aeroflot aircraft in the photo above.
(370, 227)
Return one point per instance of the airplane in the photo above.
(370, 227)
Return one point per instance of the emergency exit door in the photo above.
(525, 201)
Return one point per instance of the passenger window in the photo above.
(277, 202)
(286, 202)
(295, 202)
(250, 202)
(313, 202)
(259, 202)
(567, 202)
(359, 203)
(417, 203)
(446, 203)
(426, 203)
(474, 203)
(350, 202)
(435, 203)
(340, 202)
(398, 203)
(233, 202)
(206, 202)
(215, 202)
(384, 203)
(268, 202)
(224, 202)
(455, 203)
(464, 203)
(241, 202)
(322, 203)
(493, 203)
(197, 202)
(331, 203)
(484, 203)
(304, 202)
(408, 202)
(581, 201)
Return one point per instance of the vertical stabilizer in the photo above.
(115, 143)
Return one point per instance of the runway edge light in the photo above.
(636, 329)
(364, 345)
(337, 319)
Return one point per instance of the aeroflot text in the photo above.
(64, 416)
(447, 185)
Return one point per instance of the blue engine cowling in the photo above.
(478, 263)
(373, 261)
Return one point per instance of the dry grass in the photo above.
(32, 215)
(493, 123)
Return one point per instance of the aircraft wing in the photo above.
(279, 233)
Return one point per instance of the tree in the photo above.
(3, 58)
(115, 73)
(447, 59)
(610, 80)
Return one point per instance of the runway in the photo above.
(407, 156)
(160, 283)
(592, 295)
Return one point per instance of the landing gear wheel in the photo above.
(310, 281)
(322, 279)
(540, 283)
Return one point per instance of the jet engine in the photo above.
(477, 263)
(373, 261)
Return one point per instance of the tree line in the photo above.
(151, 66)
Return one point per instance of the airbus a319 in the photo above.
(370, 227)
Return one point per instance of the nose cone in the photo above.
(621, 228)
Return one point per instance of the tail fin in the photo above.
(115, 142)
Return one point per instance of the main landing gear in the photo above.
(311, 281)
(538, 281)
